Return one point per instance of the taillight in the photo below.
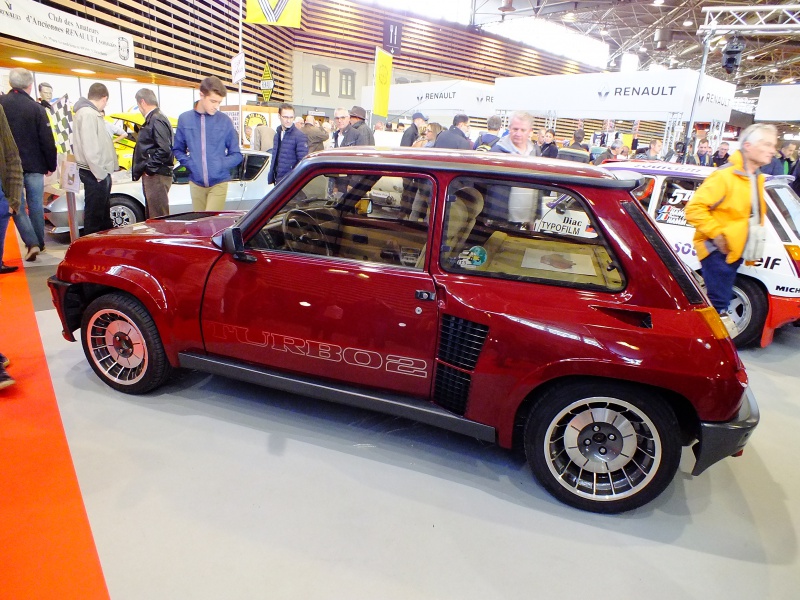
(794, 254)
(715, 324)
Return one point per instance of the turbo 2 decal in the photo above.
(357, 357)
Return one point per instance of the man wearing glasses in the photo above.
(345, 134)
(289, 147)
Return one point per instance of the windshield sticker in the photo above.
(572, 222)
(472, 258)
(561, 262)
(672, 215)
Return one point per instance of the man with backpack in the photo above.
(486, 141)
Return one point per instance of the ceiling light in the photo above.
(126, 79)
(745, 91)
(83, 71)
(569, 17)
(688, 23)
(507, 6)
(642, 49)
(25, 59)
(788, 80)
(658, 2)
(773, 70)
(751, 57)
(604, 32)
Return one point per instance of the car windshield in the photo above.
(788, 205)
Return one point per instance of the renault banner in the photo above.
(41, 24)
(283, 13)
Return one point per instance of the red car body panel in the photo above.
(362, 324)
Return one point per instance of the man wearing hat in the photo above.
(358, 118)
(411, 134)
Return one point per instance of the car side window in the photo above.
(253, 165)
(525, 232)
(354, 216)
(675, 194)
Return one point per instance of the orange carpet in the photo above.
(46, 545)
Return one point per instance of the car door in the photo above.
(329, 289)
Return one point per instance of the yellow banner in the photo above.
(383, 81)
(283, 13)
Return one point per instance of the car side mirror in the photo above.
(233, 243)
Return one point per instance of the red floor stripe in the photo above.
(46, 545)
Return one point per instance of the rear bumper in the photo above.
(782, 310)
(720, 440)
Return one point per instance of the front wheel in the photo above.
(748, 309)
(603, 447)
(122, 345)
(125, 211)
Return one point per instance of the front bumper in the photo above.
(58, 290)
(720, 440)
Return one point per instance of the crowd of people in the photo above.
(207, 144)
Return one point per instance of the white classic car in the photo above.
(248, 185)
(767, 293)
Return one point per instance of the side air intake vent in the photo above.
(452, 389)
(461, 342)
(460, 345)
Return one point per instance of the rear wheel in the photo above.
(125, 211)
(122, 344)
(748, 309)
(603, 447)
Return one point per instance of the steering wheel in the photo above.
(302, 233)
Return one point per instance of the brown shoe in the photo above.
(5, 379)
(31, 254)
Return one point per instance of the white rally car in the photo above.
(247, 186)
(767, 294)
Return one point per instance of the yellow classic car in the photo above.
(127, 131)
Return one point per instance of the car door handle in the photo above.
(424, 295)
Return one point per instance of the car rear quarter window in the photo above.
(788, 205)
(675, 193)
(520, 231)
(253, 165)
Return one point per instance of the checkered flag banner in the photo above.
(62, 124)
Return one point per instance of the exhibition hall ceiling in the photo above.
(662, 33)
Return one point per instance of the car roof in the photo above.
(559, 171)
(654, 167)
(626, 169)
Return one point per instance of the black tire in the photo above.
(122, 345)
(125, 210)
(603, 447)
(748, 309)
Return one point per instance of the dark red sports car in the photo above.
(516, 301)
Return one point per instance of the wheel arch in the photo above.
(684, 411)
(79, 295)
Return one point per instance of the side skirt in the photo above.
(390, 404)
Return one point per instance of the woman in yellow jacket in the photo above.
(721, 208)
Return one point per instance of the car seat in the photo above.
(462, 211)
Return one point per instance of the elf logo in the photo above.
(768, 262)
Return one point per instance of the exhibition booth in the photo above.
(668, 96)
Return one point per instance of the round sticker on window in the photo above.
(474, 257)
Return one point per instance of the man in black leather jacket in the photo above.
(152, 156)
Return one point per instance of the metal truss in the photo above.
(762, 20)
